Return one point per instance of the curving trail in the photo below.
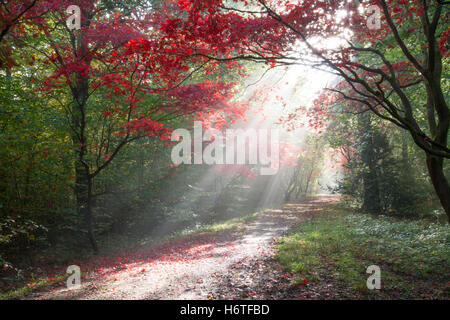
(233, 265)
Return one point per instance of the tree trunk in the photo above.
(89, 218)
(308, 181)
(371, 192)
(83, 178)
(83, 194)
(436, 101)
(299, 189)
(291, 186)
(439, 181)
(287, 195)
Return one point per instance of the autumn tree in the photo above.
(381, 62)
(110, 93)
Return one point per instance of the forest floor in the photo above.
(236, 264)
(315, 249)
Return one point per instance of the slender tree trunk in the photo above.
(299, 189)
(81, 185)
(371, 192)
(89, 218)
(288, 193)
(291, 187)
(84, 199)
(308, 181)
(83, 178)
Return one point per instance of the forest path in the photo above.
(232, 265)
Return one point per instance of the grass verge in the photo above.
(332, 253)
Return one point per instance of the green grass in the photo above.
(22, 292)
(228, 225)
(340, 244)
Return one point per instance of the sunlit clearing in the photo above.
(272, 93)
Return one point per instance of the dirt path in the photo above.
(235, 265)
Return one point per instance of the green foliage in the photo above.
(384, 172)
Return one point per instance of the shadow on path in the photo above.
(233, 265)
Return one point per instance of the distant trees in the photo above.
(381, 167)
(302, 179)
